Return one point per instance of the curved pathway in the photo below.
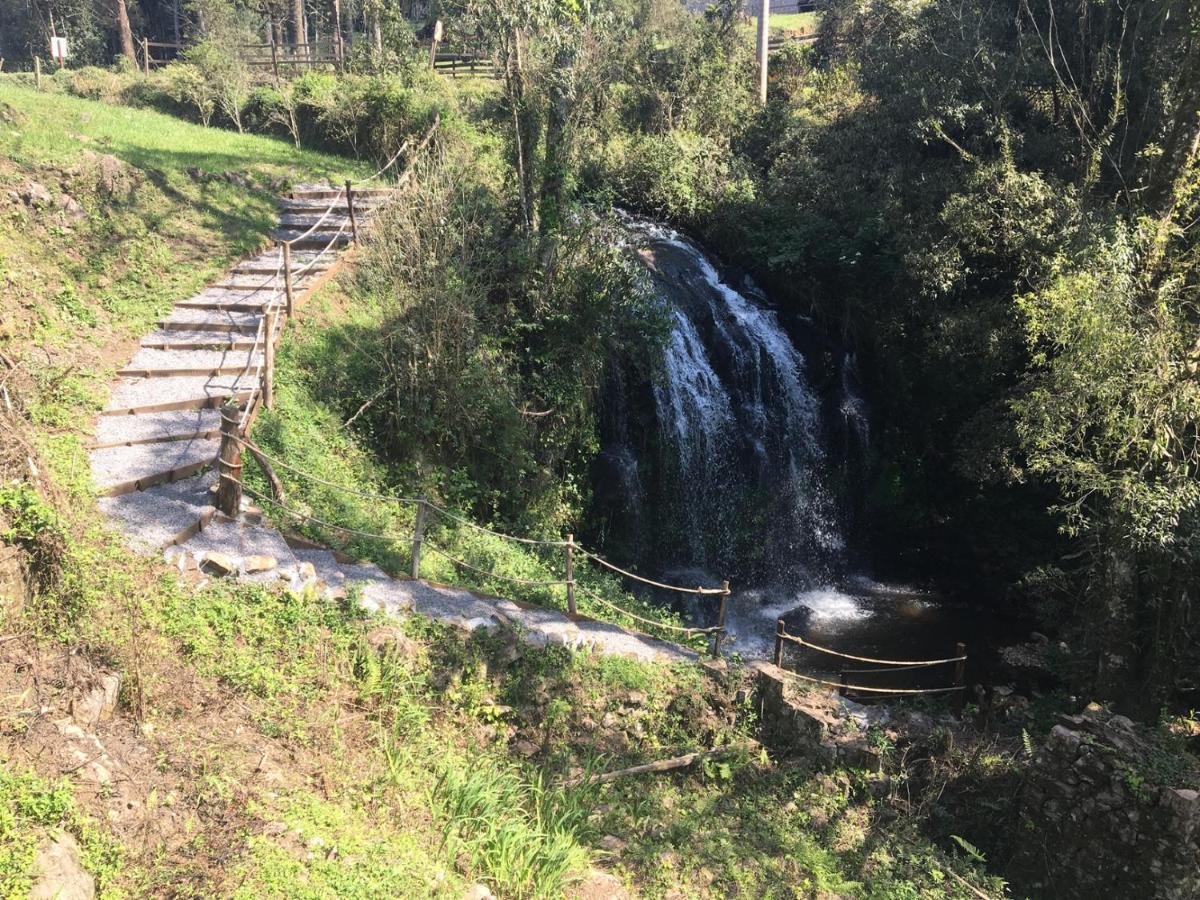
(156, 443)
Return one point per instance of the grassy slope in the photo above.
(272, 748)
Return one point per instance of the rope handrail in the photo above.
(909, 663)
(712, 629)
(702, 591)
(388, 164)
(313, 227)
(873, 690)
(391, 538)
(300, 273)
(514, 579)
(508, 537)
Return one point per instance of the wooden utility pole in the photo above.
(764, 48)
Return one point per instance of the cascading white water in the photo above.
(736, 413)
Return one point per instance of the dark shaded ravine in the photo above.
(743, 456)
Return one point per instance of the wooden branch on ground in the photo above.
(272, 478)
(664, 765)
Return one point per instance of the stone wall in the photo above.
(1094, 822)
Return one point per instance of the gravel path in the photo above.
(155, 446)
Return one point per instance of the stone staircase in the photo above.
(156, 443)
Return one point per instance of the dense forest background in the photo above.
(994, 204)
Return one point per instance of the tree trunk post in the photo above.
(571, 575)
(418, 536)
(37, 73)
(145, 56)
(229, 464)
(779, 632)
(268, 382)
(719, 634)
(287, 276)
(350, 207)
(764, 48)
(274, 54)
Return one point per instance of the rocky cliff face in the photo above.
(1101, 818)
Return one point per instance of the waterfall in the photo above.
(730, 444)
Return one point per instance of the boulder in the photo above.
(35, 194)
(58, 873)
(97, 701)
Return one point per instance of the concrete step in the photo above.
(119, 470)
(140, 395)
(149, 428)
(154, 363)
(209, 319)
(163, 514)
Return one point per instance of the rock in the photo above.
(216, 563)
(392, 639)
(112, 175)
(70, 207)
(525, 748)
(306, 572)
(35, 195)
(597, 885)
(479, 892)
(98, 701)
(610, 843)
(253, 564)
(181, 559)
(637, 698)
(58, 873)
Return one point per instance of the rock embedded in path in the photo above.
(218, 564)
(58, 873)
(259, 563)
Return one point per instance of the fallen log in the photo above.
(664, 765)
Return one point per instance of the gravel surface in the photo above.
(157, 426)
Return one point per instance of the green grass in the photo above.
(804, 22)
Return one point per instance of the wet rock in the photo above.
(58, 872)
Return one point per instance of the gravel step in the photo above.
(156, 363)
(317, 239)
(331, 222)
(176, 392)
(174, 425)
(163, 514)
(196, 339)
(117, 470)
(209, 319)
(237, 541)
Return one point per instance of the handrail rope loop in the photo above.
(873, 690)
(684, 629)
(910, 663)
(466, 565)
(387, 165)
(707, 592)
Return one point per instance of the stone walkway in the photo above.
(156, 442)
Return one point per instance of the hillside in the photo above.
(197, 737)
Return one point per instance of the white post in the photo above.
(764, 48)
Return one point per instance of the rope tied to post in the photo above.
(907, 663)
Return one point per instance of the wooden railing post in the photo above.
(37, 73)
(719, 634)
(287, 276)
(571, 574)
(960, 673)
(268, 382)
(418, 529)
(145, 56)
(779, 632)
(229, 462)
(842, 678)
(350, 207)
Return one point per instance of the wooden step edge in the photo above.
(165, 477)
(173, 373)
(202, 434)
(227, 327)
(212, 402)
(202, 522)
(231, 346)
